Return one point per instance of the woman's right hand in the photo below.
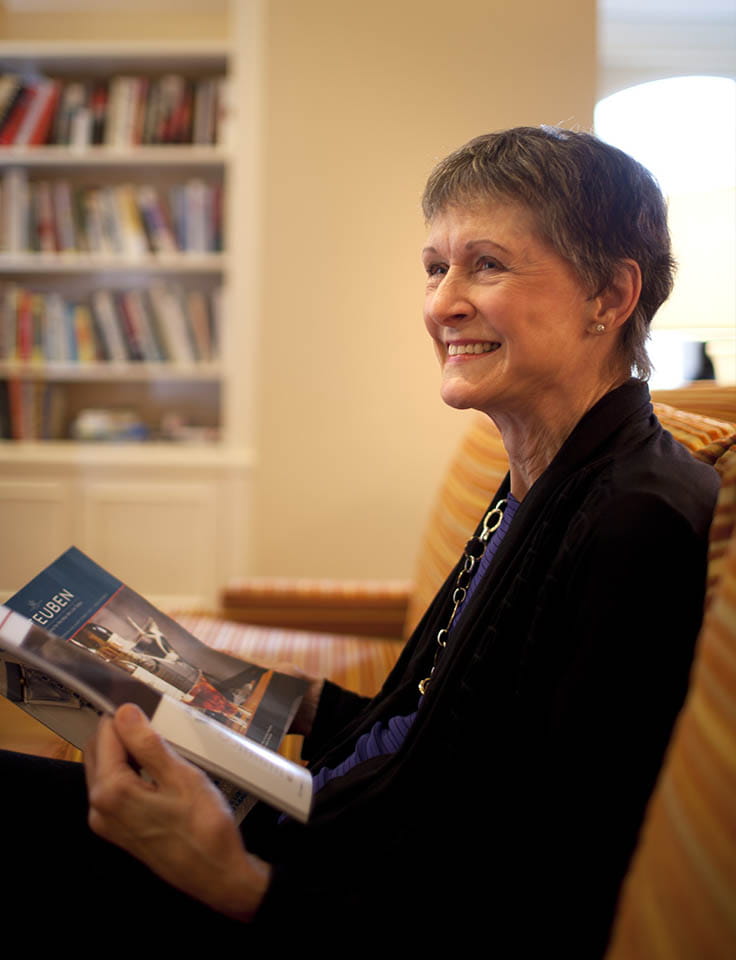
(176, 821)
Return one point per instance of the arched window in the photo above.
(684, 130)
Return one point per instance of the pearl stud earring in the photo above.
(600, 328)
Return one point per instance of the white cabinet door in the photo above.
(157, 535)
(36, 519)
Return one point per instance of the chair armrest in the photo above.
(368, 608)
(21, 732)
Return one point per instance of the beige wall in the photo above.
(114, 20)
(358, 102)
(361, 99)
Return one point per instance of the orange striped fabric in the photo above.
(721, 454)
(693, 430)
(706, 397)
(477, 469)
(679, 898)
(374, 608)
(316, 587)
(359, 665)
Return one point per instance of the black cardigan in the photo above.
(513, 806)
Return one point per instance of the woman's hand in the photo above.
(178, 824)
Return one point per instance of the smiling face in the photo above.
(510, 320)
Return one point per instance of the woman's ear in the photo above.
(617, 302)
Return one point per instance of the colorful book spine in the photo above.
(38, 118)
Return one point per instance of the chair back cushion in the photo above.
(704, 396)
(480, 464)
(721, 455)
(679, 898)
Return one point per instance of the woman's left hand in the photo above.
(178, 824)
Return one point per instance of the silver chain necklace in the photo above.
(474, 550)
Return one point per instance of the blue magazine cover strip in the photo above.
(66, 594)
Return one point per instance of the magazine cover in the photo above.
(76, 599)
(85, 685)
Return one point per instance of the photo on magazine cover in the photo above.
(131, 634)
(105, 689)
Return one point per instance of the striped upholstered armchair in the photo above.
(678, 901)
(679, 898)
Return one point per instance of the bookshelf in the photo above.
(167, 509)
(74, 220)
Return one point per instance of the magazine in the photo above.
(76, 642)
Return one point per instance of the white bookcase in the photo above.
(168, 517)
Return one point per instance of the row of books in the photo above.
(161, 324)
(38, 410)
(31, 410)
(54, 216)
(119, 111)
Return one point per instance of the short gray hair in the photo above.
(593, 203)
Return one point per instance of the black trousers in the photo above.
(59, 878)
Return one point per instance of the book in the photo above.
(134, 305)
(171, 322)
(46, 232)
(36, 123)
(72, 100)
(17, 113)
(199, 324)
(63, 215)
(76, 643)
(11, 87)
(156, 221)
(15, 214)
(108, 324)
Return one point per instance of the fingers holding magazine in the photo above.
(172, 819)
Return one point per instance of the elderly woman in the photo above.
(498, 780)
